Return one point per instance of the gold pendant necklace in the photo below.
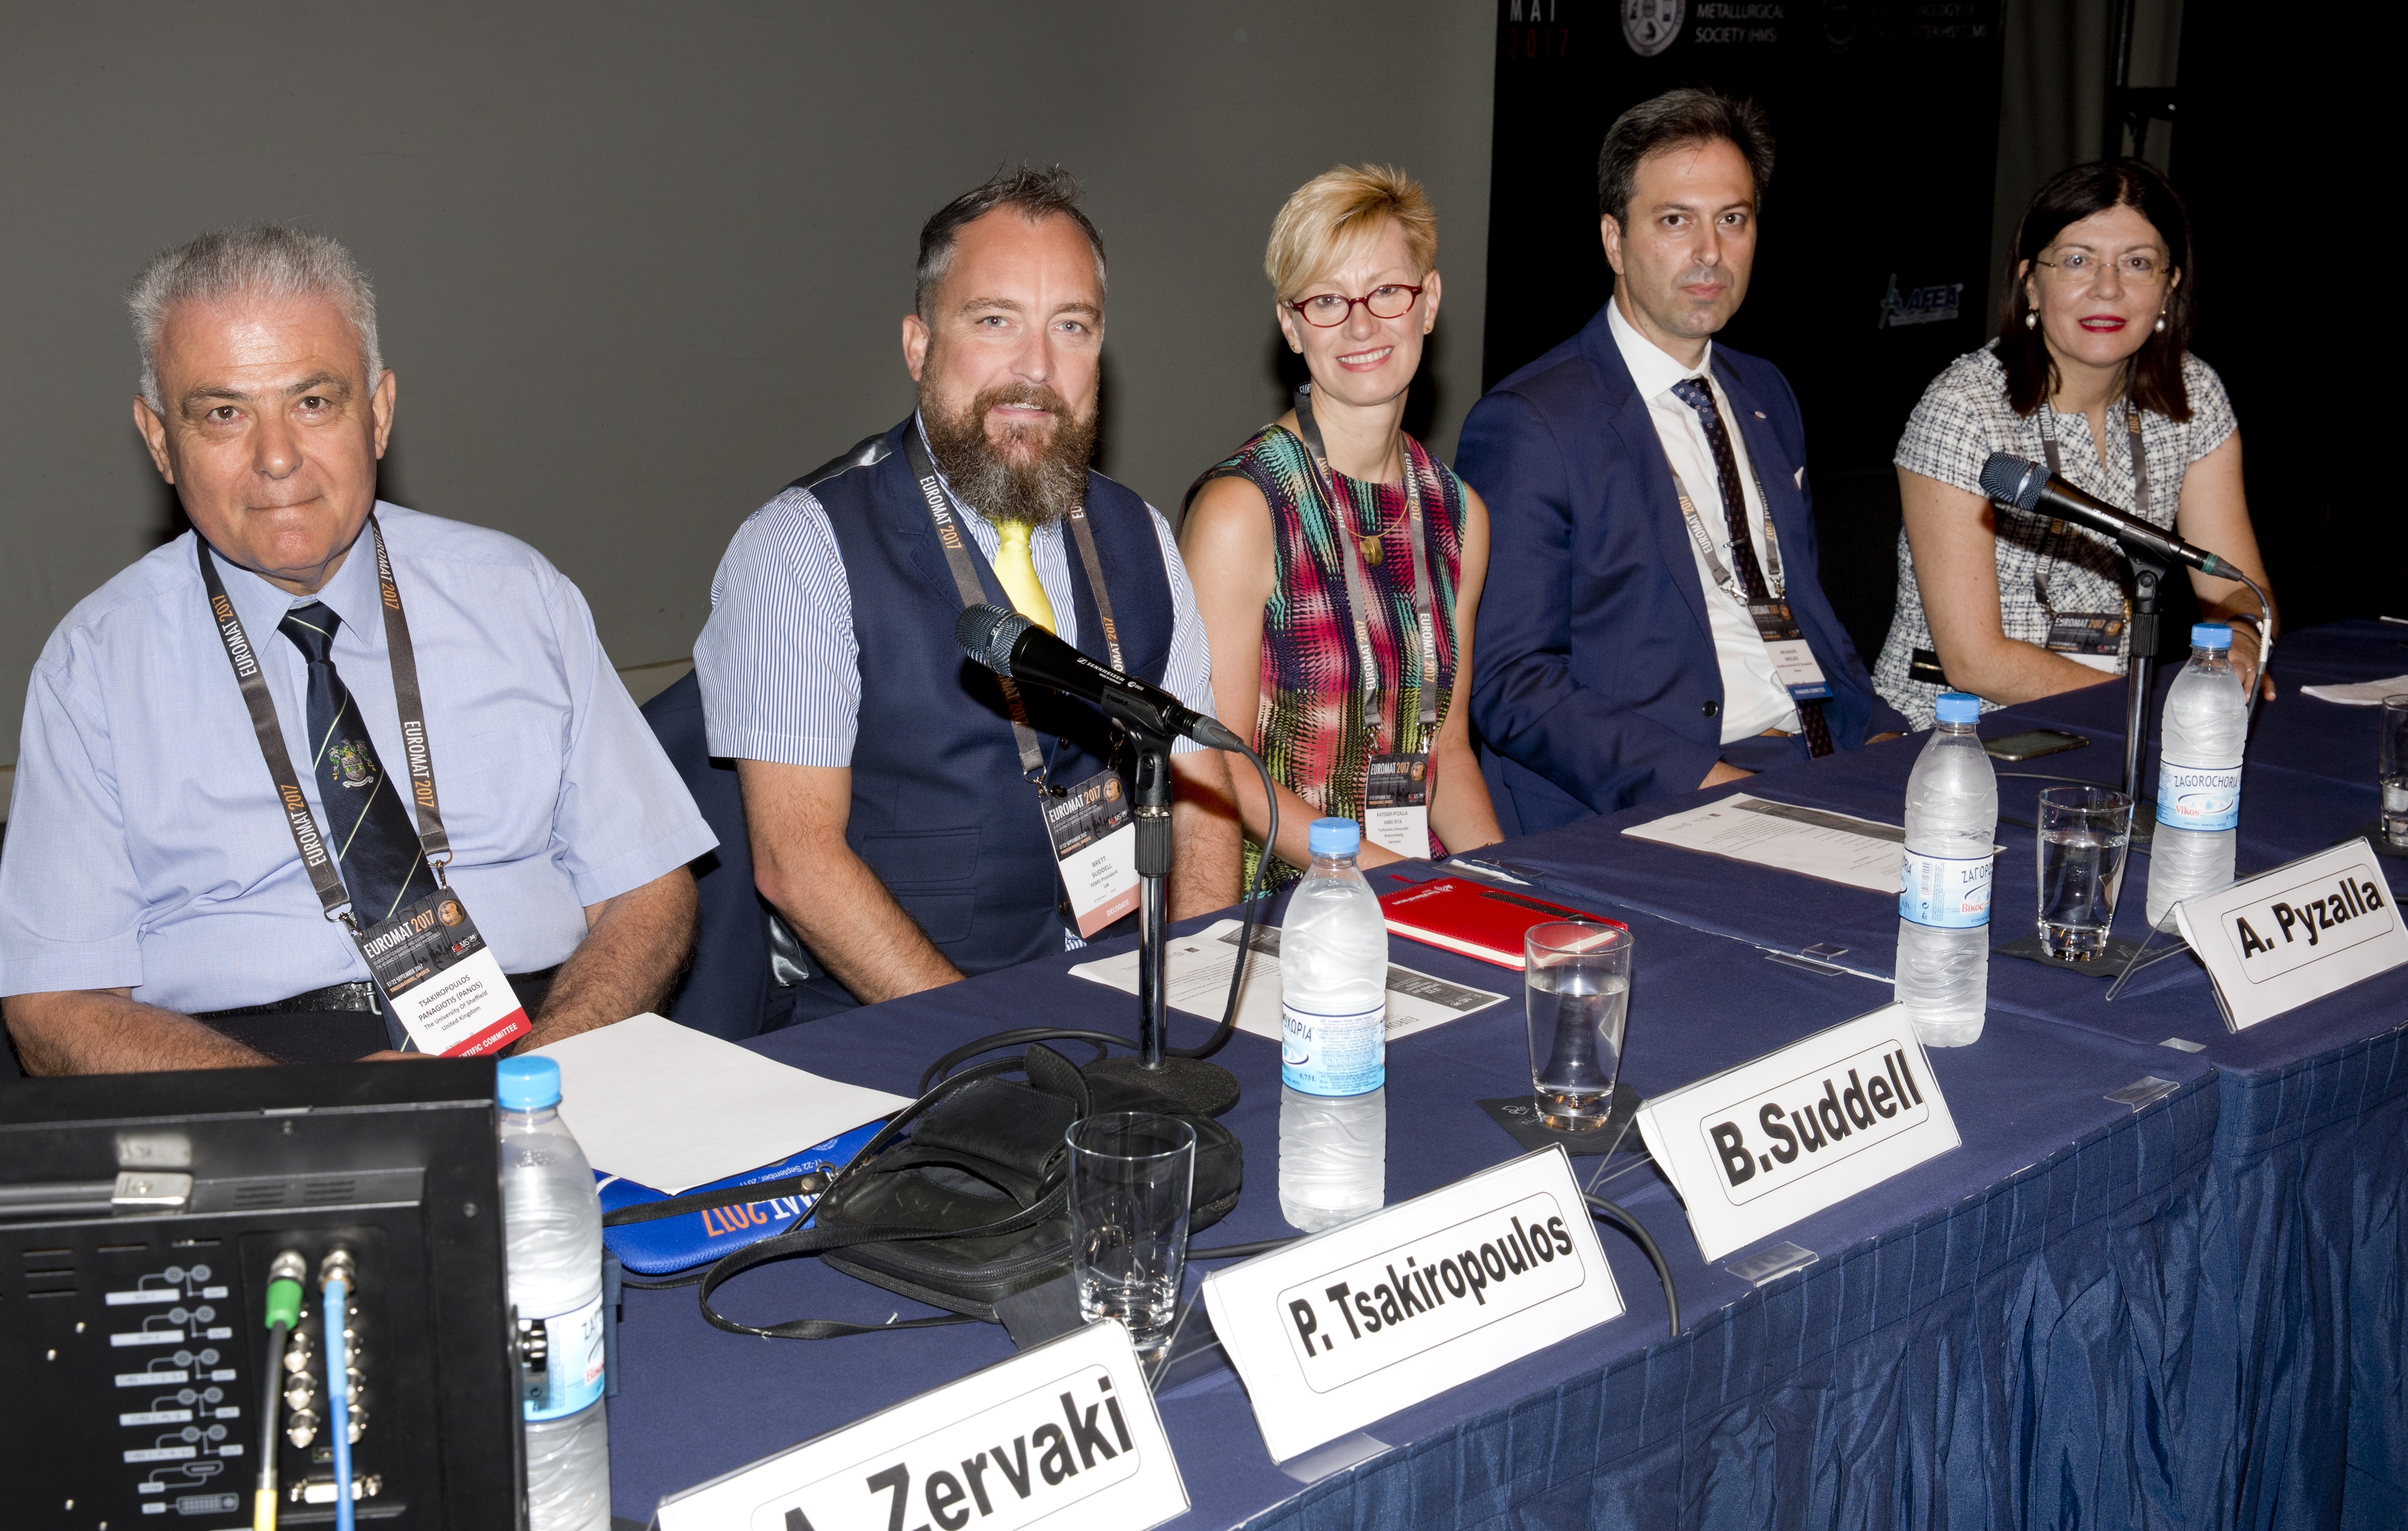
(1371, 550)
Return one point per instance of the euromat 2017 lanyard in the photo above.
(2091, 638)
(1090, 823)
(474, 1010)
(1794, 665)
(1395, 782)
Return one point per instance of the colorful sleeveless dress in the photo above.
(1311, 725)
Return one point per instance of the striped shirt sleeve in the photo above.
(778, 663)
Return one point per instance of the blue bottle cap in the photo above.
(1334, 836)
(526, 1084)
(1954, 706)
(2211, 635)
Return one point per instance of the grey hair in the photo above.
(268, 261)
(1037, 193)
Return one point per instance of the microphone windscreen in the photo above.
(987, 635)
(2009, 480)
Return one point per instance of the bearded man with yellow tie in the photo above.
(895, 793)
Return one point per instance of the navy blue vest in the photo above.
(941, 811)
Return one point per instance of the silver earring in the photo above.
(2032, 321)
(2161, 323)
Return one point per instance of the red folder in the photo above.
(1473, 918)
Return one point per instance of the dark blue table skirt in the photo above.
(2009, 1319)
(2296, 1401)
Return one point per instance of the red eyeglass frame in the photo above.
(1297, 304)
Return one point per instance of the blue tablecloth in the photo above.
(2299, 1407)
(2085, 1315)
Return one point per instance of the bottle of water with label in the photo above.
(1943, 902)
(1334, 1038)
(552, 1223)
(2198, 775)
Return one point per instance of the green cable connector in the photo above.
(284, 1303)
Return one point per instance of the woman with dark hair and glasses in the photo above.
(2092, 375)
(1336, 563)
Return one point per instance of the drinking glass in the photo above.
(1576, 985)
(1131, 1175)
(2083, 834)
(2392, 770)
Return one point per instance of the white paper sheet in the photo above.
(1835, 847)
(671, 1107)
(2365, 694)
(1199, 983)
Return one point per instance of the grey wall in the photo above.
(640, 265)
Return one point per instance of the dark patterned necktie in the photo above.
(1694, 392)
(367, 826)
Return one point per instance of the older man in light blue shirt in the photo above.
(151, 876)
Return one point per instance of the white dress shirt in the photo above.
(1752, 699)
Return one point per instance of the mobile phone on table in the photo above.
(2031, 744)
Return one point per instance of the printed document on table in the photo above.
(1198, 983)
(2364, 694)
(672, 1107)
(1835, 847)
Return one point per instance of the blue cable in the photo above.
(338, 1397)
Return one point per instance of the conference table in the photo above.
(2188, 1314)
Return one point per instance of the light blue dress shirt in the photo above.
(146, 849)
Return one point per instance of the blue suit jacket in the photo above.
(1596, 684)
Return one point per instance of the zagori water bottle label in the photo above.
(2205, 797)
(1334, 1054)
(573, 1362)
(1947, 892)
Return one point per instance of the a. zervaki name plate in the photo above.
(1063, 1434)
(1753, 1148)
(2299, 932)
(1350, 1326)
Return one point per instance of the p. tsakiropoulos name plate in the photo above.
(1350, 1326)
(1062, 1435)
(1753, 1148)
(2298, 933)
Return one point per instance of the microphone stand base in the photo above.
(1207, 1089)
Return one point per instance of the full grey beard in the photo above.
(1040, 489)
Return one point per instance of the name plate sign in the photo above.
(2299, 932)
(1753, 1148)
(1350, 1326)
(1065, 1434)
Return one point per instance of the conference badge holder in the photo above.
(1094, 830)
(1793, 661)
(2087, 634)
(441, 980)
(445, 989)
(1396, 804)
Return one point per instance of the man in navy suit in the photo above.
(1654, 623)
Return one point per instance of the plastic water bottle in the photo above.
(1334, 1038)
(1944, 901)
(2198, 775)
(552, 1223)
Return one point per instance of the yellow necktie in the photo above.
(1016, 569)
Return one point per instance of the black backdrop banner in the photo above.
(1873, 269)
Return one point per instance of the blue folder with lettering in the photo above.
(665, 1245)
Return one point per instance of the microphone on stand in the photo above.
(1017, 649)
(2009, 480)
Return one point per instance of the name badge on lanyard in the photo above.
(2095, 638)
(1395, 783)
(1095, 842)
(1091, 826)
(438, 977)
(1794, 666)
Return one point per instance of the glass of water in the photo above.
(1132, 1176)
(1576, 983)
(2392, 770)
(2083, 833)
